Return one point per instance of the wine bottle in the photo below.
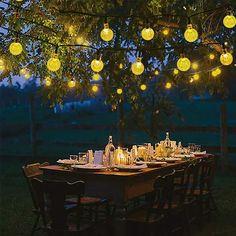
(109, 152)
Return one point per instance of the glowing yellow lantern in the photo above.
(218, 71)
(147, 33)
(119, 91)
(23, 71)
(226, 58)
(165, 31)
(48, 81)
(229, 21)
(175, 71)
(71, 83)
(196, 76)
(79, 40)
(190, 34)
(121, 66)
(183, 64)
(97, 65)
(96, 76)
(195, 66)
(53, 64)
(137, 67)
(27, 75)
(94, 88)
(15, 48)
(2, 68)
(143, 87)
(214, 73)
(191, 80)
(106, 34)
(1, 62)
(211, 56)
(168, 85)
(156, 72)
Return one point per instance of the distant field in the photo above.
(15, 127)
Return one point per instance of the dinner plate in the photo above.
(89, 167)
(70, 162)
(130, 167)
(199, 153)
(152, 164)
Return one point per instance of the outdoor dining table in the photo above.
(118, 186)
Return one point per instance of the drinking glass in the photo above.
(83, 157)
(74, 157)
(197, 148)
(191, 147)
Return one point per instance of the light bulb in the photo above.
(229, 21)
(195, 66)
(214, 73)
(196, 76)
(156, 72)
(175, 71)
(191, 80)
(1, 62)
(147, 33)
(166, 31)
(211, 56)
(168, 85)
(119, 91)
(218, 71)
(96, 76)
(53, 64)
(15, 48)
(27, 75)
(23, 71)
(121, 66)
(183, 64)
(48, 81)
(143, 87)
(97, 65)
(94, 88)
(190, 34)
(71, 83)
(226, 58)
(137, 67)
(79, 40)
(2, 68)
(106, 34)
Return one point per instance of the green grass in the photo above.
(16, 217)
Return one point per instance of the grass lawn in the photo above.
(16, 217)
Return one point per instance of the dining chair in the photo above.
(93, 206)
(51, 195)
(152, 217)
(204, 192)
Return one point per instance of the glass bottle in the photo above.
(109, 152)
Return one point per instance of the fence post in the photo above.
(224, 137)
(32, 125)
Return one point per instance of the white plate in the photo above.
(89, 167)
(168, 159)
(183, 155)
(70, 162)
(130, 167)
(199, 153)
(152, 163)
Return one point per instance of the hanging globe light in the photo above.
(96, 76)
(156, 72)
(53, 64)
(195, 66)
(121, 66)
(183, 64)
(196, 76)
(218, 71)
(137, 67)
(94, 88)
(175, 71)
(168, 85)
(226, 58)
(48, 81)
(147, 33)
(211, 56)
(229, 20)
(190, 34)
(97, 65)
(119, 91)
(79, 40)
(106, 34)
(2, 62)
(15, 48)
(71, 83)
(23, 71)
(143, 87)
(165, 31)
(27, 75)
(2, 68)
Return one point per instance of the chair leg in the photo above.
(35, 225)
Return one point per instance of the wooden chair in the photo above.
(146, 220)
(90, 204)
(51, 195)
